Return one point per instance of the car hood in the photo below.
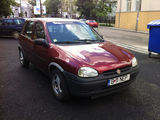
(100, 56)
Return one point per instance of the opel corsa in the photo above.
(75, 57)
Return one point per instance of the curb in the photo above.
(127, 30)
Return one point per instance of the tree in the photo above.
(93, 8)
(32, 2)
(102, 9)
(86, 8)
(52, 6)
(5, 9)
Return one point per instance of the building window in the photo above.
(129, 3)
(138, 5)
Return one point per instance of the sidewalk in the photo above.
(136, 41)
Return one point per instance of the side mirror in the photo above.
(41, 42)
(101, 36)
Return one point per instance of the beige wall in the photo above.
(147, 5)
(128, 20)
(150, 5)
(150, 10)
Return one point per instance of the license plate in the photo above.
(118, 80)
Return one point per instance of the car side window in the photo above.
(39, 31)
(8, 22)
(28, 29)
(1, 22)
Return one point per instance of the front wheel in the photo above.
(23, 61)
(59, 86)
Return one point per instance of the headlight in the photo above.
(134, 62)
(87, 72)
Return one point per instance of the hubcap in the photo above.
(21, 57)
(56, 84)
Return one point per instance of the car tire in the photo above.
(59, 86)
(15, 35)
(149, 55)
(23, 61)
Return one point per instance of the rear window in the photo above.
(92, 21)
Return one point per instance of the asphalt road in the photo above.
(25, 94)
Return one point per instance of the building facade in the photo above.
(68, 8)
(25, 7)
(136, 14)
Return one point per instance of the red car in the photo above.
(92, 23)
(78, 61)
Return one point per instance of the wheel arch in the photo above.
(54, 65)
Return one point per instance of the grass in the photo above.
(106, 24)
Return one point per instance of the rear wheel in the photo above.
(149, 55)
(23, 61)
(59, 86)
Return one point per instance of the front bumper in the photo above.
(97, 86)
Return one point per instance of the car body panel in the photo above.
(102, 57)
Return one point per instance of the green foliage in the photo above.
(93, 8)
(52, 6)
(106, 24)
(86, 8)
(102, 9)
(5, 9)
(32, 2)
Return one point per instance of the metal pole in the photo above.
(139, 8)
(41, 12)
(71, 8)
(21, 8)
(119, 13)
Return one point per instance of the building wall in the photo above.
(150, 10)
(127, 20)
(146, 17)
(150, 5)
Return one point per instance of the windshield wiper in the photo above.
(89, 40)
(66, 42)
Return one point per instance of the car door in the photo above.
(9, 25)
(41, 52)
(1, 27)
(26, 40)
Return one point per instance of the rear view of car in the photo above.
(92, 23)
(11, 27)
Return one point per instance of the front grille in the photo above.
(113, 72)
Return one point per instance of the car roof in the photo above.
(53, 19)
(11, 18)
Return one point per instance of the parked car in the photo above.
(77, 59)
(92, 23)
(11, 27)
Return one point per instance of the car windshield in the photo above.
(72, 32)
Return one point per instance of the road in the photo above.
(127, 39)
(25, 94)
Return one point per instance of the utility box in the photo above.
(154, 37)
